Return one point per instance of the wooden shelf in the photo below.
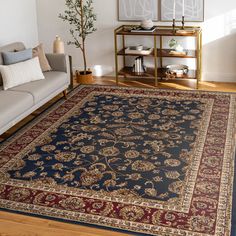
(122, 53)
(160, 31)
(127, 72)
(160, 53)
(166, 53)
(150, 73)
(190, 75)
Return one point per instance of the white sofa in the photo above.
(20, 101)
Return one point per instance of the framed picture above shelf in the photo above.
(137, 10)
(193, 10)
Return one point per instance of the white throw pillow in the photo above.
(20, 73)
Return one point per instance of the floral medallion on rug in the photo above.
(159, 162)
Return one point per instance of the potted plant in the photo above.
(79, 14)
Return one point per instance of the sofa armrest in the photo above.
(59, 62)
(63, 63)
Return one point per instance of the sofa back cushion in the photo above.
(21, 73)
(39, 52)
(15, 57)
(18, 46)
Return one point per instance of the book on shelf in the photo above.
(139, 29)
(139, 66)
(134, 50)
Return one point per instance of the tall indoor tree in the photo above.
(79, 14)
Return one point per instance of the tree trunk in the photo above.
(83, 36)
(84, 57)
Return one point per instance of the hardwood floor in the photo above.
(183, 85)
(20, 225)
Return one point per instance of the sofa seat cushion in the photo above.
(13, 104)
(41, 89)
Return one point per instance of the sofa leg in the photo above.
(65, 94)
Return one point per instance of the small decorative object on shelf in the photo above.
(173, 25)
(139, 29)
(183, 21)
(176, 49)
(138, 66)
(178, 53)
(183, 13)
(169, 75)
(179, 48)
(178, 70)
(147, 24)
(173, 43)
(139, 50)
(58, 46)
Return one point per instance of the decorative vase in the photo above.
(58, 46)
(82, 78)
(147, 24)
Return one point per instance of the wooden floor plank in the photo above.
(21, 223)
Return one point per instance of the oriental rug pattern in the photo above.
(159, 162)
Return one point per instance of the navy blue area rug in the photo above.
(156, 162)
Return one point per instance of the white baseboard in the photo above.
(219, 77)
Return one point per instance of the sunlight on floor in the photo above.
(176, 86)
(142, 84)
(208, 84)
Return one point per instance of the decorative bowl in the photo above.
(139, 47)
(177, 69)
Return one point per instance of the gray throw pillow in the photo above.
(15, 57)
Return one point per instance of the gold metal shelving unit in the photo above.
(158, 72)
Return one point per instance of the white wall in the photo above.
(18, 22)
(100, 44)
(219, 41)
(219, 30)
